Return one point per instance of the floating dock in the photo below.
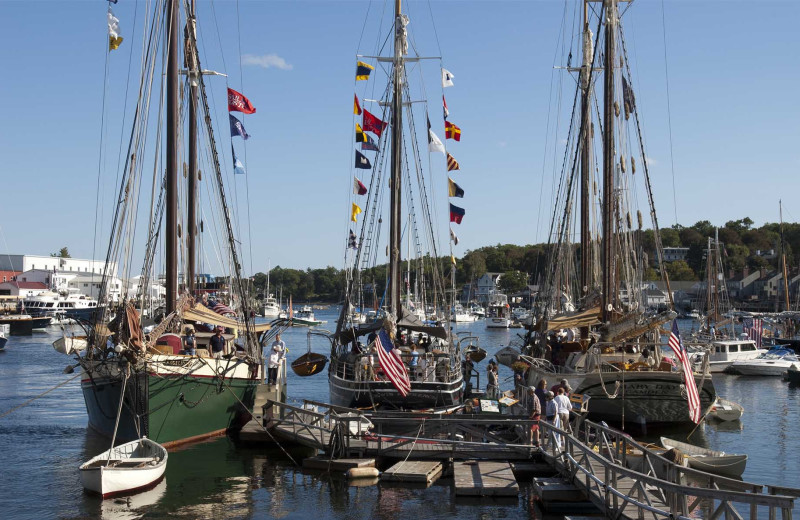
(424, 471)
(484, 479)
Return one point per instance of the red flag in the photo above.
(358, 187)
(372, 123)
(356, 106)
(444, 105)
(238, 103)
(451, 131)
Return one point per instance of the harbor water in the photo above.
(44, 442)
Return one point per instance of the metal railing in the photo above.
(599, 466)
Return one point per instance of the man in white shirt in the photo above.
(563, 406)
(275, 358)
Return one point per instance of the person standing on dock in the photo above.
(275, 358)
(491, 384)
(563, 407)
(535, 413)
(541, 393)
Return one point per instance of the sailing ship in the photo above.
(161, 392)
(592, 319)
(359, 374)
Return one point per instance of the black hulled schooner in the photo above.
(368, 358)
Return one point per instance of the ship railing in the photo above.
(600, 463)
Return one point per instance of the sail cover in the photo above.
(585, 318)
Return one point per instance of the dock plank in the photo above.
(414, 471)
(484, 478)
(337, 464)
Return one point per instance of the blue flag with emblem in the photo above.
(237, 128)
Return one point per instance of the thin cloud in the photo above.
(650, 161)
(502, 144)
(266, 61)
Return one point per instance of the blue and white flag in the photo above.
(238, 167)
(237, 128)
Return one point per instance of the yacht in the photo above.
(498, 315)
(478, 311)
(721, 354)
(59, 305)
(774, 362)
(459, 315)
(271, 307)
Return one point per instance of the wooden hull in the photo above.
(127, 468)
(309, 364)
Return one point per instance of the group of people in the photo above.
(553, 404)
(216, 343)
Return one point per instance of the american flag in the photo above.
(220, 308)
(693, 397)
(391, 363)
(754, 329)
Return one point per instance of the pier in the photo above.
(595, 470)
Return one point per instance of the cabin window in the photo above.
(86, 285)
(733, 348)
(748, 347)
(718, 349)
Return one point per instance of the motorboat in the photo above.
(459, 315)
(69, 304)
(127, 468)
(4, 332)
(305, 317)
(498, 315)
(710, 461)
(477, 310)
(721, 354)
(774, 362)
(271, 308)
(724, 410)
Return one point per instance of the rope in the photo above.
(413, 444)
(223, 383)
(32, 399)
(119, 413)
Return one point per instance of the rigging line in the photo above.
(669, 114)
(98, 195)
(435, 32)
(364, 25)
(246, 177)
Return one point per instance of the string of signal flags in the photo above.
(373, 124)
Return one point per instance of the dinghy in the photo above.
(128, 468)
(69, 344)
(309, 364)
(710, 461)
(476, 353)
(507, 355)
(724, 410)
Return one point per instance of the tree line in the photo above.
(524, 264)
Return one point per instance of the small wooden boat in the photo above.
(69, 344)
(476, 353)
(506, 356)
(127, 468)
(309, 364)
(710, 461)
(724, 410)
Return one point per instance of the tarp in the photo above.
(203, 314)
(585, 318)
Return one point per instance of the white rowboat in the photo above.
(128, 468)
(69, 344)
(724, 410)
(710, 461)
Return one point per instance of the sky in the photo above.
(725, 82)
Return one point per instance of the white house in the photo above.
(90, 285)
(673, 254)
(155, 292)
(54, 263)
(487, 286)
(22, 289)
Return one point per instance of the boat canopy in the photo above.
(585, 318)
(408, 321)
(203, 314)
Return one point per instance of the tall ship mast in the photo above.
(396, 361)
(150, 383)
(593, 325)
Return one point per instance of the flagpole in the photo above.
(171, 224)
(586, 111)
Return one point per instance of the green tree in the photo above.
(62, 253)
(680, 271)
(670, 238)
(513, 281)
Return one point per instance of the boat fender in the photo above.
(362, 473)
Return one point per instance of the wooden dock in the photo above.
(484, 478)
(327, 464)
(424, 471)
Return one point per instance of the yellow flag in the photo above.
(354, 213)
(453, 259)
(113, 43)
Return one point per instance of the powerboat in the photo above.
(71, 304)
(459, 315)
(498, 315)
(271, 307)
(721, 354)
(774, 362)
(305, 317)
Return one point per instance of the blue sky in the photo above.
(734, 112)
